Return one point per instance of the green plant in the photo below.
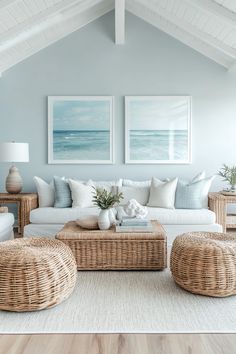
(229, 174)
(104, 199)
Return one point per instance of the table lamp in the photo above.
(14, 152)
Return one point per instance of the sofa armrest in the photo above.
(217, 203)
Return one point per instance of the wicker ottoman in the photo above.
(205, 263)
(35, 274)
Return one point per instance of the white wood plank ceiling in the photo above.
(27, 26)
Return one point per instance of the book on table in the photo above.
(134, 222)
(134, 225)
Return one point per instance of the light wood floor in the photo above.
(119, 344)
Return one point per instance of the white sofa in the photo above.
(6, 226)
(49, 220)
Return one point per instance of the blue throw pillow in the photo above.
(189, 195)
(62, 193)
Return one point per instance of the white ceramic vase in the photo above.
(104, 219)
(112, 217)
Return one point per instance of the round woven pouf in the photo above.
(35, 274)
(205, 263)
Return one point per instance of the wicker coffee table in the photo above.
(96, 249)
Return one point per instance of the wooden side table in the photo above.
(25, 203)
(218, 203)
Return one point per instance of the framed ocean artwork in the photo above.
(80, 130)
(158, 129)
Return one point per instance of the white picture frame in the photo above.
(158, 129)
(80, 129)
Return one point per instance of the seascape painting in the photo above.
(80, 129)
(158, 129)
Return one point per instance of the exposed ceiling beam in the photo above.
(45, 18)
(215, 9)
(5, 3)
(36, 19)
(23, 36)
(194, 31)
(76, 21)
(151, 17)
(120, 21)
(189, 28)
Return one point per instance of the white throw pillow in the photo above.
(141, 194)
(82, 194)
(205, 191)
(45, 191)
(206, 188)
(131, 183)
(162, 194)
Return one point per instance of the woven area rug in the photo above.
(124, 302)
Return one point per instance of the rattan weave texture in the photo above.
(35, 273)
(108, 249)
(205, 263)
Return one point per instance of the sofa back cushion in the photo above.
(131, 183)
(138, 190)
(141, 194)
(107, 185)
(201, 175)
(62, 193)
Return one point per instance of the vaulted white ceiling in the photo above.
(27, 26)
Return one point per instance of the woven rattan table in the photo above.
(96, 249)
(218, 203)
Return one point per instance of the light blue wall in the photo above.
(89, 63)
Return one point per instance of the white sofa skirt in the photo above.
(50, 230)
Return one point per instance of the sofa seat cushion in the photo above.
(182, 216)
(165, 216)
(59, 215)
(6, 221)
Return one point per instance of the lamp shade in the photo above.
(14, 152)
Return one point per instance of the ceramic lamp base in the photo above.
(14, 181)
